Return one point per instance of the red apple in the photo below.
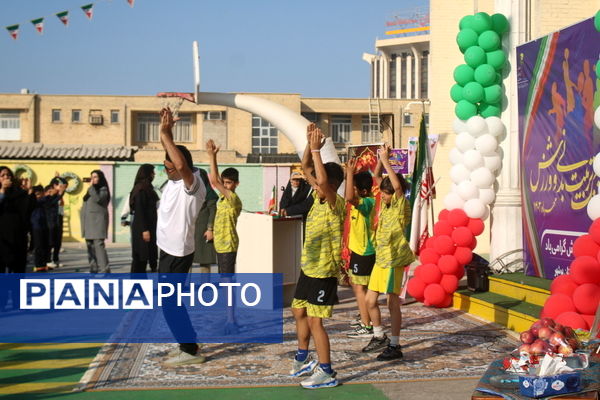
(544, 332)
(527, 337)
(538, 347)
(569, 332)
(547, 322)
(524, 348)
(535, 327)
(565, 350)
(557, 339)
(559, 328)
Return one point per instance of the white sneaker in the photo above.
(300, 368)
(177, 350)
(320, 379)
(54, 265)
(183, 358)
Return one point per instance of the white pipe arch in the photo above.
(293, 125)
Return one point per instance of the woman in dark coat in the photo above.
(94, 221)
(205, 254)
(142, 203)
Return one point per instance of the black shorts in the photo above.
(361, 265)
(226, 262)
(317, 291)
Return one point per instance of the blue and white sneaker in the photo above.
(300, 368)
(320, 379)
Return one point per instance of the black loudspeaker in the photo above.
(478, 272)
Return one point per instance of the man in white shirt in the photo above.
(180, 203)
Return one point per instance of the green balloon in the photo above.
(492, 94)
(597, 21)
(498, 79)
(456, 93)
(489, 41)
(465, 110)
(496, 59)
(475, 56)
(465, 22)
(473, 92)
(466, 38)
(463, 74)
(481, 22)
(499, 24)
(485, 74)
(489, 110)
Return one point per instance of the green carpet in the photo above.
(506, 302)
(519, 277)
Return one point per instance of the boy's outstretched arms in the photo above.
(384, 157)
(349, 192)
(317, 141)
(215, 180)
(166, 138)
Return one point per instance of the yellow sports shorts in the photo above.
(313, 310)
(386, 280)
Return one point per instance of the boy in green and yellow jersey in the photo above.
(360, 241)
(229, 207)
(316, 291)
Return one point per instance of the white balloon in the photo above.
(495, 126)
(467, 190)
(493, 162)
(501, 137)
(476, 126)
(593, 207)
(486, 214)
(465, 142)
(596, 164)
(482, 177)
(597, 117)
(459, 173)
(500, 152)
(452, 201)
(459, 125)
(456, 157)
(454, 188)
(474, 208)
(486, 144)
(487, 196)
(473, 159)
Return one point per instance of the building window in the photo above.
(407, 119)
(426, 118)
(403, 76)
(114, 116)
(75, 115)
(56, 115)
(424, 74)
(148, 125)
(10, 125)
(392, 76)
(264, 136)
(215, 115)
(370, 131)
(341, 127)
(412, 78)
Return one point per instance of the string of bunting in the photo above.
(63, 16)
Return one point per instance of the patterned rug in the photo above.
(437, 343)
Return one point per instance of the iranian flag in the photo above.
(273, 201)
(39, 25)
(88, 9)
(13, 31)
(131, 2)
(420, 192)
(64, 17)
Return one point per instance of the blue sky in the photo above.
(309, 47)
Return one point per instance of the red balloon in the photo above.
(434, 295)
(458, 217)
(429, 256)
(418, 271)
(557, 304)
(585, 246)
(444, 244)
(463, 255)
(447, 302)
(476, 226)
(585, 269)
(460, 273)
(448, 264)
(473, 244)
(594, 231)
(586, 298)
(589, 320)
(449, 283)
(416, 288)
(430, 274)
(442, 228)
(429, 242)
(563, 284)
(462, 236)
(443, 215)
(572, 319)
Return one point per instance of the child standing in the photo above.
(360, 241)
(229, 207)
(39, 228)
(316, 291)
(393, 254)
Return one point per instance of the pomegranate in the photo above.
(544, 332)
(557, 339)
(527, 337)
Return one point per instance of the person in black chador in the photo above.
(142, 202)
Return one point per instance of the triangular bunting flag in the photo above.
(39, 25)
(64, 17)
(13, 30)
(131, 2)
(88, 10)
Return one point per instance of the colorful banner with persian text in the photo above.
(558, 93)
